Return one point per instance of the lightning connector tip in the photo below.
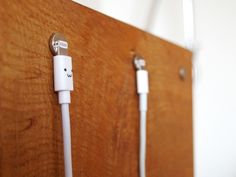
(58, 44)
(139, 63)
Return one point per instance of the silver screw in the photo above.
(182, 73)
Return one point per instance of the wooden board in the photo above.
(104, 109)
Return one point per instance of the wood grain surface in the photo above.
(104, 109)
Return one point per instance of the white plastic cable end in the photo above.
(63, 77)
(142, 81)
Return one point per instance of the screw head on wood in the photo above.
(182, 73)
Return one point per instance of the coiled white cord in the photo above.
(142, 89)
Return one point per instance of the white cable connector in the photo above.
(63, 84)
(142, 90)
(63, 80)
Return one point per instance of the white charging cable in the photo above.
(142, 90)
(63, 84)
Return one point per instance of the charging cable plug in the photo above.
(63, 76)
(142, 82)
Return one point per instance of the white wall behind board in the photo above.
(215, 98)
